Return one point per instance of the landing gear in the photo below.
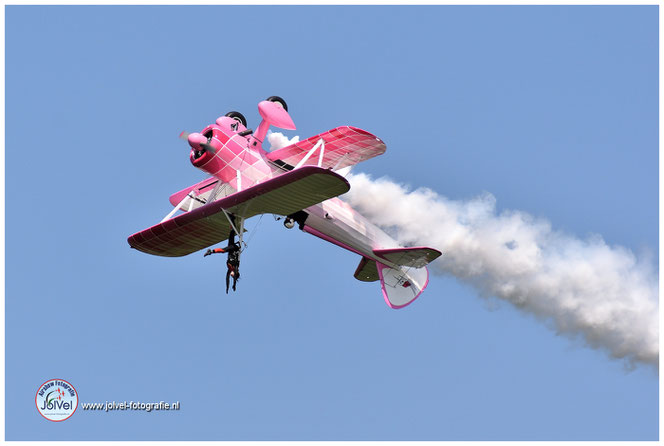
(238, 117)
(299, 217)
(279, 100)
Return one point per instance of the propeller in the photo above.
(196, 140)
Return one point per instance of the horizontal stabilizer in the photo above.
(401, 287)
(207, 225)
(366, 271)
(416, 257)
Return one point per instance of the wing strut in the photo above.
(170, 214)
(341, 160)
(321, 144)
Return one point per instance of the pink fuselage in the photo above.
(332, 220)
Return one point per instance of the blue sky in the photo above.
(554, 110)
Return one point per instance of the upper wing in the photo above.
(207, 225)
(206, 191)
(344, 146)
(200, 188)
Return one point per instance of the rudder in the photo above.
(402, 286)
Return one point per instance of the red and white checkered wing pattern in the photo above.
(344, 146)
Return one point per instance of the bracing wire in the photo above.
(253, 232)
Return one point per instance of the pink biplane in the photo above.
(298, 182)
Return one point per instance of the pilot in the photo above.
(232, 263)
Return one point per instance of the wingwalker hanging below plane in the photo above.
(298, 182)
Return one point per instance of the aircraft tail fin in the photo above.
(405, 282)
(402, 286)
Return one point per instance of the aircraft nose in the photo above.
(195, 140)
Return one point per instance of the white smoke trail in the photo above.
(585, 287)
(278, 140)
(603, 293)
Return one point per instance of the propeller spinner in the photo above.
(198, 142)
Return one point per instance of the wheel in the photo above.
(289, 223)
(238, 117)
(279, 100)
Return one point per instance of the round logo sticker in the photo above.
(56, 400)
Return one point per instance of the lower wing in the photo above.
(208, 225)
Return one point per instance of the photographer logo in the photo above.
(56, 400)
